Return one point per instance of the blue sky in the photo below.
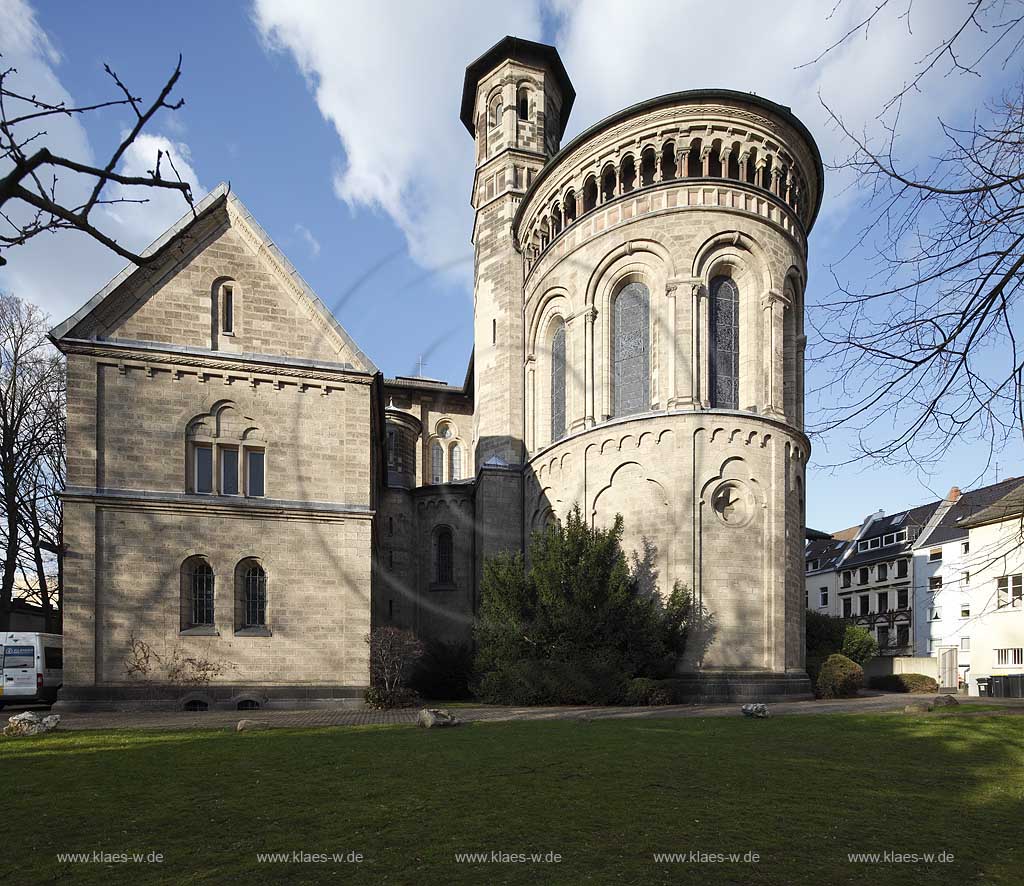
(337, 125)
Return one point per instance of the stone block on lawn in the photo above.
(918, 707)
(27, 723)
(759, 711)
(431, 718)
(251, 725)
(943, 701)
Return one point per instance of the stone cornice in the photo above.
(218, 506)
(145, 354)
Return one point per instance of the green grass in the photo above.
(800, 791)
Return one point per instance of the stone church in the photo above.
(246, 490)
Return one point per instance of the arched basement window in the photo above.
(630, 349)
(436, 463)
(455, 463)
(558, 383)
(725, 343)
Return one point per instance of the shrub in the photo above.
(814, 663)
(859, 645)
(904, 683)
(532, 682)
(824, 634)
(582, 621)
(382, 699)
(444, 672)
(645, 691)
(840, 677)
(393, 654)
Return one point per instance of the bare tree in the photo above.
(31, 431)
(925, 351)
(35, 172)
(41, 511)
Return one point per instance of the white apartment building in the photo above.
(942, 580)
(969, 590)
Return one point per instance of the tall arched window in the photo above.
(444, 553)
(255, 597)
(630, 349)
(724, 313)
(523, 103)
(201, 595)
(436, 463)
(496, 109)
(558, 382)
(455, 463)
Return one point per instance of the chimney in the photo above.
(954, 493)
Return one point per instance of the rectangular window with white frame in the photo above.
(934, 555)
(1009, 590)
(823, 597)
(901, 568)
(965, 547)
(965, 644)
(847, 607)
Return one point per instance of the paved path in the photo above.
(873, 702)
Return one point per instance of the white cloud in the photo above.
(388, 77)
(307, 235)
(618, 54)
(142, 223)
(61, 271)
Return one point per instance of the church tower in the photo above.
(515, 103)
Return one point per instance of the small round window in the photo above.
(732, 504)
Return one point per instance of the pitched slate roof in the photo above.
(968, 506)
(1010, 504)
(827, 552)
(218, 197)
(913, 520)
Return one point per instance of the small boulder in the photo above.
(251, 725)
(759, 711)
(943, 701)
(431, 718)
(918, 707)
(28, 723)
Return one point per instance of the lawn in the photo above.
(801, 792)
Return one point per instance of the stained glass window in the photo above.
(724, 311)
(558, 383)
(630, 350)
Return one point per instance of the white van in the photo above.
(31, 667)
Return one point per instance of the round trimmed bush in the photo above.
(840, 677)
